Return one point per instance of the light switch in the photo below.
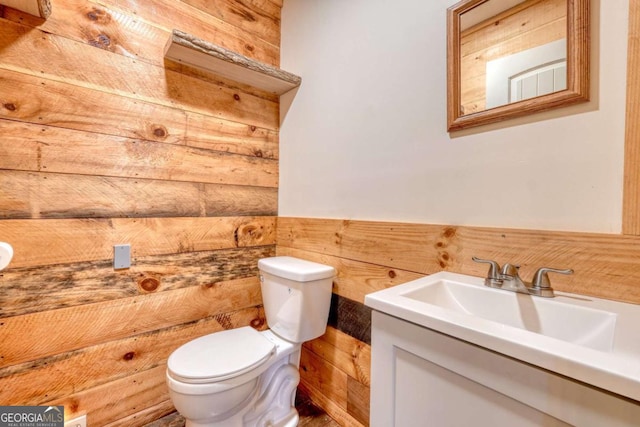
(121, 256)
(77, 422)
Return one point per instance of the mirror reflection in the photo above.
(511, 50)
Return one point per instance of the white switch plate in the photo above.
(81, 421)
(121, 256)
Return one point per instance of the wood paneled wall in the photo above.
(104, 142)
(370, 256)
(525, 26)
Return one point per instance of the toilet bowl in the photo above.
(242, 377)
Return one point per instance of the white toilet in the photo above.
(242, 377)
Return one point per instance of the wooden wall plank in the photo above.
(337, 351)
(97, 26)
(146, 417)
(41, 288)
(278, 3)
(355, 279)
(220, 135)
(605, 265)
(124, 397)
(631, 197)
(77, 240)
(169, 14)
(39, 381)
(349, 355)
(233, 200)
(324, 377)
(37, 335)
(244, 15)
(35, 100)
(334, 410)
(269, 7)
(36, 148)
(358, 401)
(51, 195)
(350, 317)
(99, 70)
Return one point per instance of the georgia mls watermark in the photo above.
(31, 416)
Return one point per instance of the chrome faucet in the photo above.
(508, 278)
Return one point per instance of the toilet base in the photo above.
(270, 406)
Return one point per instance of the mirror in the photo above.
(509, 58)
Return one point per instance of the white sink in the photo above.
(567, 322)
(589, 339)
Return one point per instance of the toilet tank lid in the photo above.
(296, 269)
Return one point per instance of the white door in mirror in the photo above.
(6, 253)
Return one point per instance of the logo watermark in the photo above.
(31, 416)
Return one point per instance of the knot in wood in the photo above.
(99, 15)
(444, 259)
(129, 356)
(257, 323)
(160, 132)
(392, 274)
(104, 40)
(10, 106)
(449, 232)
(149, 284)
(236, 97)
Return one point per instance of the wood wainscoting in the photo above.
(105, 142)
(371, 255)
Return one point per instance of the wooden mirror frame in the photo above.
(577, 91)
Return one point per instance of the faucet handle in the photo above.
(510, 270)
(494, 268)
(541, 278)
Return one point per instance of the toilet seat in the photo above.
(220, 356)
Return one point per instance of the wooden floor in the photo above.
(310, 416)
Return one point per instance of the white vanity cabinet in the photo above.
(421, 378)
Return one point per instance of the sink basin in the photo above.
(571, 323)
(591, 340)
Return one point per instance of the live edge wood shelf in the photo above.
(185, 48)
(41, 8)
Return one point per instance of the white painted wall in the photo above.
(365, 137)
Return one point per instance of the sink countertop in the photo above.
(616, 368)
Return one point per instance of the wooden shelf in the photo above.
(41, 8)
(185, 48)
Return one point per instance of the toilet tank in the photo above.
(296, 295)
